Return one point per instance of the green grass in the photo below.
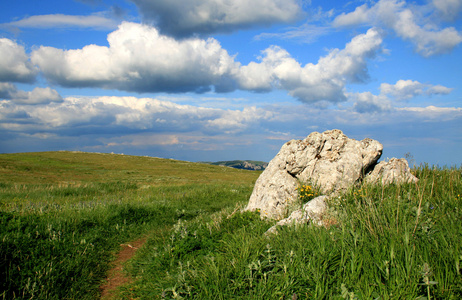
(77, 168)
(393, 242)
(63, 214)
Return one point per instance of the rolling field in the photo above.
(65, 214)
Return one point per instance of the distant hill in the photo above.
(241, 164)
(80, 168)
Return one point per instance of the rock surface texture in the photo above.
(331, 161)
(312, 211)
(395, 170)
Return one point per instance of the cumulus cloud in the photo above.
(361, 15)
(140, 59)
(438, 90)
(166, 129)
(185, 18)
(65, 21)
(407, 89)
(325, 80)
(14, 63)
(8, 91)
(36, 96)
(402, 90)
(130, 114)
(398, 16)
(232, 121)
(369, 103)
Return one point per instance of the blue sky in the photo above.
(209, 80)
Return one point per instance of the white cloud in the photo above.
(185, 18)
(140, 59)
(190, 141)
(398, 16)
(449, 9)
(119, 114)
(126, 112)
(360, 15)
(403, 89)
(8, 91)
(166, 129)
(438, 90)
(390, 94)
(36, 96)
(325, 80)
(432, 113)
(232, 121)
(369, 103)
(407, 89)
(65, 21)
(14, 63)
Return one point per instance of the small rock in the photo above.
(394, 171)
(312, 211)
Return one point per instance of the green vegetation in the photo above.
(64, 215)
(306, 193)
(393, 242)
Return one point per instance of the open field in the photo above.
(394, 242)
(64, 215)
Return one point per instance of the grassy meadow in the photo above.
(380, 242)
(64, 215)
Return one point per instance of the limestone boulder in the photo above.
(394, 171)
(274, 192)
(330, 160)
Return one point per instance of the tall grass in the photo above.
(381, 242)
(58, 236)
(61, 250)
(64, 215)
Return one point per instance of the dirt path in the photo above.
(116, 276)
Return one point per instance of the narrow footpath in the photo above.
(116, 276)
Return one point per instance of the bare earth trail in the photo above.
(116, 276)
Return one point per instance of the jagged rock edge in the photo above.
(306, 216)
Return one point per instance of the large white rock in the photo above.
(330, 160)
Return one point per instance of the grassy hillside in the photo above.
(380, 242)
(64, 214)
(78, 167)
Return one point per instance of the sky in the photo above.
(211, 80)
